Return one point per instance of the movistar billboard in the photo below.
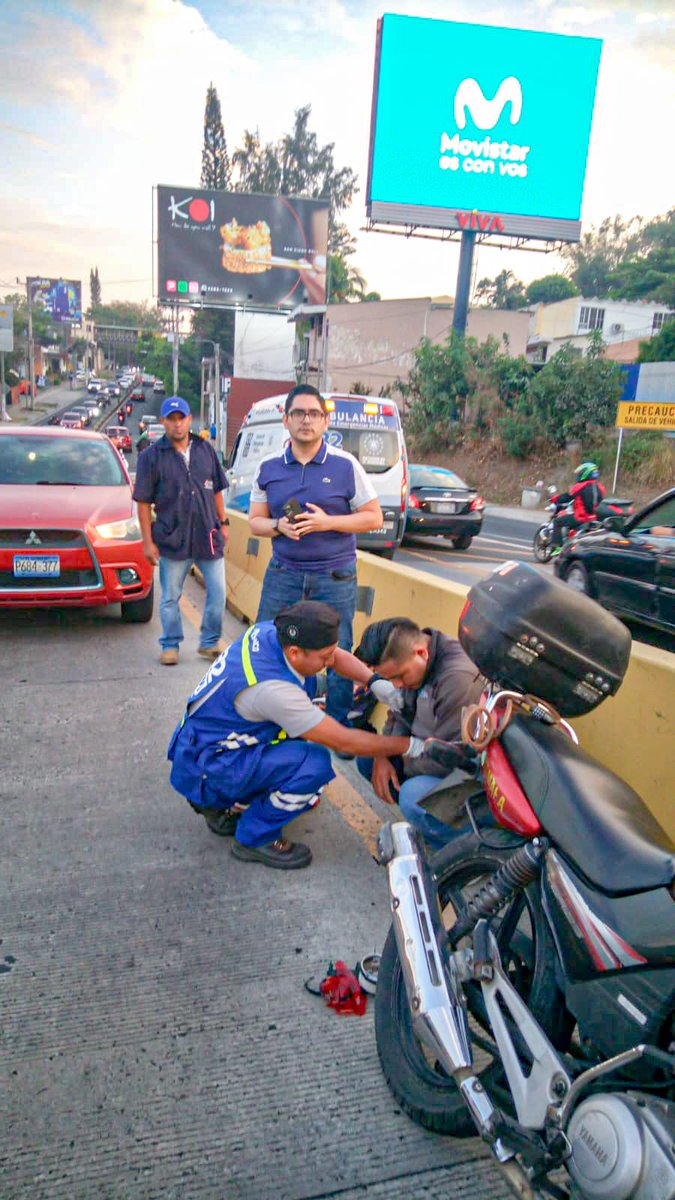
(480, 127)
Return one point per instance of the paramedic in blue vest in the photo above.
(313, 553)
(252, 750)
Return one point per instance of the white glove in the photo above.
(416, 748)
(386, 692)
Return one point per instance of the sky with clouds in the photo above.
(99, 101)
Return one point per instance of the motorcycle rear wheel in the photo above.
(542, 547)
(421, 1087)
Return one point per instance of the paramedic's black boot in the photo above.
(223, 822)
(282, 854)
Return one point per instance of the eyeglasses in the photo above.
(303, 414)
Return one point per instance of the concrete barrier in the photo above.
(633, 733)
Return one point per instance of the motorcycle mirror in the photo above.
(614, 524)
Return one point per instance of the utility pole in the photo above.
(175, 350)
(326, 335)
(221, 414)
(3, 398)
(31, 348)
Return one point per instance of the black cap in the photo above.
(308, 624)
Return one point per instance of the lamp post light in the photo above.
(221, 412)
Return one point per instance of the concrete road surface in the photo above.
(157, 1039)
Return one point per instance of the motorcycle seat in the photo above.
(595, 818)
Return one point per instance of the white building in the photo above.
(622, 323)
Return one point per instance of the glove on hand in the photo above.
(385, 691)
(417, 746)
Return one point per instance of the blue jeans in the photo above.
(172, 575)
(409, 799)
(283, 586)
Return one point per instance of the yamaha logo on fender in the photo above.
(493, 789)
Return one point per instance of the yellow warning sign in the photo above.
(633, 415)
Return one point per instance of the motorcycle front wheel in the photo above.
(542, 547)
(422, 1088)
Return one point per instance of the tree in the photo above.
(94, 287)
(591, 261)
(457, 385)
(215, 325)
(573, 395)
(216, 169)
(43, 331)
(125, 312)
(550, 288)
(155, 356)
(345, 281)
(662, 347)
(257, 166)
(649, 273)
(504, 291)
(297, 165)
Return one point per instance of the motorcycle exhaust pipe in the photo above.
(434, 992)
(439, 1016)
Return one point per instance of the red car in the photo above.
(137, 396)
(119, 436)
(69, 531)
(72, 420)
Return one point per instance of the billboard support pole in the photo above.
(31, 348)
(463, 290)
(3, 399)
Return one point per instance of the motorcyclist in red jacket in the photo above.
(583, 497)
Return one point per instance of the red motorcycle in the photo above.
(542, 542)
(526, 990)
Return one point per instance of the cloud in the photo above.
(107, 99)
(17, 132)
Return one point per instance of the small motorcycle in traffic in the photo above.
(543, 542)
(527, 986)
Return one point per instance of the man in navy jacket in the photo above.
(182, 476)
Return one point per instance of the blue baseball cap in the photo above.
(174, 404)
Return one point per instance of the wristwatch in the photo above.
(275, 524)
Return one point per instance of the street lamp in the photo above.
(221, 413)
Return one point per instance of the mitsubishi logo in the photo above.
(33, 539)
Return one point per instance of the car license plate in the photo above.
(36, 566)
(444, 507)
(388, 527)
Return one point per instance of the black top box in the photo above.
(530, 632)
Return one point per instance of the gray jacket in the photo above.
(435, 710)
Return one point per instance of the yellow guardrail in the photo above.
(633, 732)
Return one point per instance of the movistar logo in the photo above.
(486, 113)
(485, 157)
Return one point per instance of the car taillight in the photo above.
(478, 504)
(413, 502)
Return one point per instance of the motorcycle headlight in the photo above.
(122, 531)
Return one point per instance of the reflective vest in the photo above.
(212, 727)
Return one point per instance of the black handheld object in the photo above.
(292, 509)
(450, 755)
